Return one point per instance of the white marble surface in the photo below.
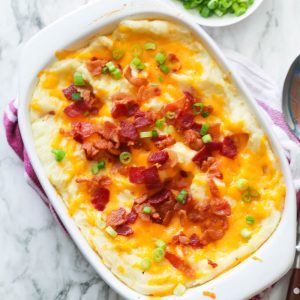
(37, 261)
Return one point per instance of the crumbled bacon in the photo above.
(195, 241)
(160, 197)
(95, 65)
(171, 162)
(178, 263)
(180, 239)
(229, 148)
(192, 139)
(158, 157)
(116, 217)
(110, 132)
(214, 169)
(100, 198)
(128, 131)
(184, 120)
(124, 105)
(151, 178)
(147, 92)
(212, 264)
(165, 211)
(136, 81)
(76, 109)
(81, 130)
(201, 156)
(95, 182)
(143, 119)
(69, 91)
(214, 130)
(163, 141)
(220, 207)
(174, 62)
(136, 175)
(124, 230)
(132, 216)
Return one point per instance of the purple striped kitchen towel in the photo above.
(264, 91)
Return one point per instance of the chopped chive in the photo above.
(246, 233)
(205, 114)
(158, 254)
(111, 67)
(104, 70)
(161, 244)
(116, 74)
(198, 108)
(246, 196)
(137, 50)
(242, 184)
(149, 46)
(101, 224)
(160, 58)
(111, 231)
(125, 158)
(145, 134)
(59, 154)
(147, 210)
(181, 198)
(206, 138)
(137, 63)
(118, 54)
(94, 169)
(170, 114)
(179, 290)
(146, 264)
(78, 79)
(76, 96)
(101, 164)
(250, 220)
(204, 129)
(160, 122)
(154, 133)
(164, 68)
(160, 78)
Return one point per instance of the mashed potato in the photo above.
(224, 171)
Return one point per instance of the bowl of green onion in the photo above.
(217, 13)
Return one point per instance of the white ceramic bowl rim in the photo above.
(249, 276)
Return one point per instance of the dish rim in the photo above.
(86, 19)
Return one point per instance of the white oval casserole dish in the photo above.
(250, 276)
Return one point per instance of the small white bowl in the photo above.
(214, 21)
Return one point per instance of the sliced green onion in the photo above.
(149, 46)
(137, 63)
(205, 12)
(170, 114)
(147, 210)
(145, 134)
(205, 114)
(204, 129)
(160, 58)
(59, 154)
(246, 196)
(76, 96)
(137, 50)
(161, 244)
(160, 122)
(206, 138)
(179, 290)
(125, 158)
(246, 233)
(118, 54)
(160, 78)
(101, 224)
(101, 164)
(154, 133)
(111, 231)
(116, 74)
(104, 70)
(181, 198)
(164, 68)
(95, 169)
(78, 79)
(146, 264)
(250, 220)
(198, 108)
(242, 184)
(158, 254)
(111, 67)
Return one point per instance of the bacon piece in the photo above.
(220, 207)
(213, 146)
(165, 211)
(95, 65)
(100, 198)
(76, 109)
(201, 156)
(180, 239)
(131, 217)
(116, 217)
(124, 230)
(134, 80)
(68, 92)
(178, 263)
(95, 182)
(184, 120)
(171, 162)
(136, 175)
(213, 187)
(147, 92)
(151, 178)
(214, 130)
(198, 212)
(163, 141)
(229, 148)
(81, 130)
(141, 199)
(128, 131)
(192, 139)
(211, 263)
(214, 169)
(195, 242)
(174, 62)
(160, 197)
(158, 157)
(124, 105)
(214, 228)
(142, 119)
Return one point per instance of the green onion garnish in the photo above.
(116, 74)
(181, 198)
(145, 134)
(78, 79)
(160, 122)
(250, 220)
(111, 67)
(154, 133)
(160, 78)
(125, 158)
(158, 254)
(76, 96)
(160, 58)
(104, 70)
(96, 168)
(170, 114)
(101, 224)
(164, 68)
(242, 184)
(204, 129)
(246, 233)
(137, 50)
(118, 54)
(206, 138)
(149, 46)
(111, 231)
(198, 108)
(59, 154)
(161, 244)
(179, 290)
(246, 196)
(146, 264)
(205, 114)
(147, 210)
(137, 63)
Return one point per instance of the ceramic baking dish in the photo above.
(242, 281)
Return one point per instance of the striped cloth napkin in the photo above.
(263, 90)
